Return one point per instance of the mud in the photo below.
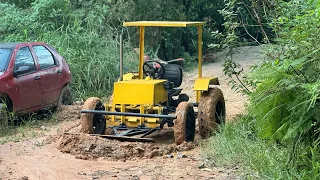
(87, 147)
(84, 146)
(68, 113)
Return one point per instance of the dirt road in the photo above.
(39, 158)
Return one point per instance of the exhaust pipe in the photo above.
(121, 58)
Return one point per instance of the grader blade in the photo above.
(120, 138)
(125, 138)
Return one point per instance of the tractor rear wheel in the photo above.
(93, 123)
(184, 125)
(211, 111)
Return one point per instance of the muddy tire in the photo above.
(211, 111)
(184, 125)
(65, 97)
(93, 123)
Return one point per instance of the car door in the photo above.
(51, 75)
(27, 81)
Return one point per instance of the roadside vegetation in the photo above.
(238, 147)
(86, 33)
(278, 135)
(30, 126)
(278, 138)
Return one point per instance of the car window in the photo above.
(24, 58)
(45, 58)
(4, 57)
(52, 48)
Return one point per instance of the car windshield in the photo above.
(4, 57)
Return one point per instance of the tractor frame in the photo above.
(144, 102)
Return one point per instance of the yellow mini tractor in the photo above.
(144, 102)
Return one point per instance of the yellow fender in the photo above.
(202, 83)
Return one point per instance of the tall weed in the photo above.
(285, 102)
(82, 37)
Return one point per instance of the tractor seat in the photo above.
(173, 73)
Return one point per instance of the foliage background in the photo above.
(284, 91)
(86, 33)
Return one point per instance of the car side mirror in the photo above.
(21, 70)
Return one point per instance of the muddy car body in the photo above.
(33, 76)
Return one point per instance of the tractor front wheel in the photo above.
(93, 123)
(184, 125)
(211, 111)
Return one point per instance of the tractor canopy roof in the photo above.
(143, 24)
(163, 23)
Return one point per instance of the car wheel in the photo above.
(65, 97)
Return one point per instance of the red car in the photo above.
(33, 76)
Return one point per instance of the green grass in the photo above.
(238, 146)
(30, 127)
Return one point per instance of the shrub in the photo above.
(285, 102)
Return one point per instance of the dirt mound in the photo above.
(69, 118)
(83, 146)
(90, 147)
(69, 112)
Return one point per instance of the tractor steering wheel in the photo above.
(154, 69)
